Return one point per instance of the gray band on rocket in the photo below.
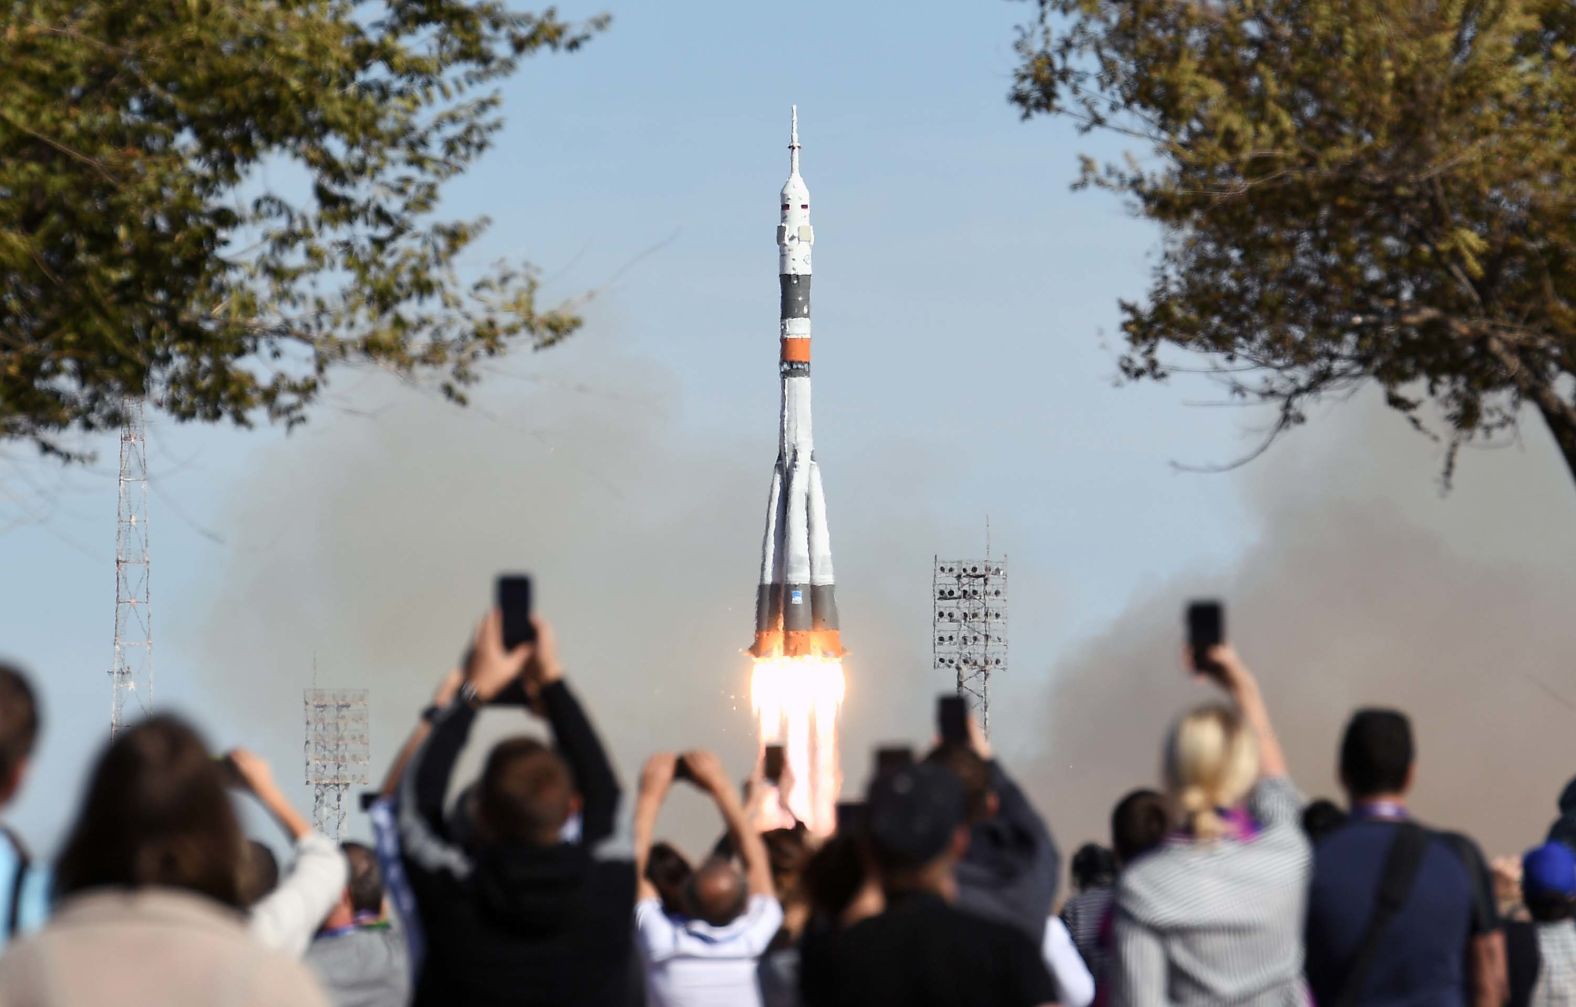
(768, 607)
(795, 295)
(796, 617)
(824, 607)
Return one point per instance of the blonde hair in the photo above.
(1211, 761)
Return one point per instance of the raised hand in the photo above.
(491, 667)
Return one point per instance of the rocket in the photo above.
(795, 611)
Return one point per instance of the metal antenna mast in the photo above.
(337, 749)
(131, 676)
(968, 630)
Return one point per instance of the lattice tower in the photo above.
(969, 626)
(337, 751)
(131, 676)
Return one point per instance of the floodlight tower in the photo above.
(968, 632)
(131, 676)
(337, 749)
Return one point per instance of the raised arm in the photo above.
(446, 691)
(576, 738)
(1243, 688)
(710, 776)
(656, 777)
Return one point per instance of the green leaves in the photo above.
(145, 248)
(1350, 190)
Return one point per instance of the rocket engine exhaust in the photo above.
(797, 685)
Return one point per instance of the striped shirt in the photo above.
(1556, 986)
(1085, 915)
(1211, 923)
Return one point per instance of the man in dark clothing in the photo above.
(1010, 871)
(519, 916)
(1443, 945)
(921, 950)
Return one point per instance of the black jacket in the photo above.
(1010, 871)
(510, 923)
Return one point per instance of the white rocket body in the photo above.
(796, 611)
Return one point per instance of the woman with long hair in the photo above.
(148, 892)
(1215, 914)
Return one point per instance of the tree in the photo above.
(212, 203)
(1350, 191)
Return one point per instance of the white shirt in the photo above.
(690, 963)
(286, 918)
(1066, 965)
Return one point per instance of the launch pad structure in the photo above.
(337, 753)
(968, 631)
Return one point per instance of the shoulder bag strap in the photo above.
(23, 861)
(1395, 884)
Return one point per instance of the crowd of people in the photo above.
(543, 882)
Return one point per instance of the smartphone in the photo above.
(681, 771)
(952, 720)
(1206, 628)
(893, 757)
(850, 817)
(514, 601)
(772, 764)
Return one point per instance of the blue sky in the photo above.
(965, 321)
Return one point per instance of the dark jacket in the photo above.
(1010, 871)
(511, 923)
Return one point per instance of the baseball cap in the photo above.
(1549, 869)
(913, 812)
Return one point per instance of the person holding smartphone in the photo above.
(518, 915)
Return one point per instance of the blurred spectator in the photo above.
(1398, 914)
(1139, 823)
(520, 917)
(669, 872)
(1321, 817)
(359, 956)
(788, 851)
(1541, 954)
(921, 948)
(1011, 867)
(707, 953)
(149, 882)
(259, 872)
(24, 885)
(1215, 916)
(839, 888)
(1093, 867)
(287, 912)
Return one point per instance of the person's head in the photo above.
(18, 730)
(364, 882)
(963, 762)
(1211, 761)
(917, 827)
(1322, 817)
(717, 892)
(669, 873)
(786, 851)
(1093, 866)
(1139, 823)
(1377, 755)
(259, 872)
(834, 875)
(525, 794)
(1548, 882)
(155, 814)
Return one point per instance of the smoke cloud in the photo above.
(1359, 584)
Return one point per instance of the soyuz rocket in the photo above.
(795, 611)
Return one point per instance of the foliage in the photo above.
(1349, 191)
(212, 203)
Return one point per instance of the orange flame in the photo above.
(796, 702)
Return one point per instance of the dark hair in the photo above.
(365, 879)
(668, 871)
(1321, 818)
(787, 850)
(18, 722)
(834, 874)
(155, 814)
(259, 872)
(525, 793)
(1548, 907)
(972, 771)
(1376, 753)
(1093, 866)
(1139, 823)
